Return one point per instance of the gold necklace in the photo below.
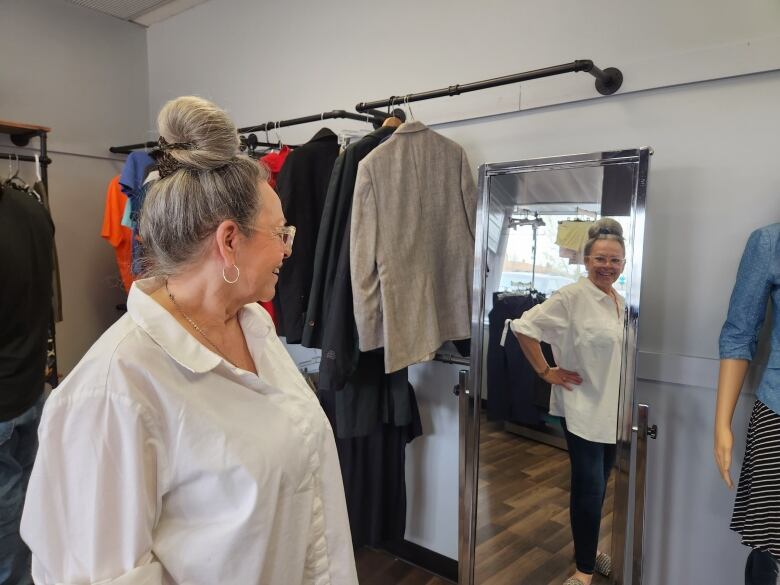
(192, 322)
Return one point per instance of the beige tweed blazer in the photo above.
(412, 245)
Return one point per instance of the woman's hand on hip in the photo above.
(561, 377)
(724, 443)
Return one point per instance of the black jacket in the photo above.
(302, 185)
(330, 319)
(26, 244)
(515, 393)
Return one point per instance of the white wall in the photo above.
(713, 177)
(84, 74)
(281, 59)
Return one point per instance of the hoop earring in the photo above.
(235, 280)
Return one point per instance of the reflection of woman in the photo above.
(583, 322)
(757, 508)
(186, 447)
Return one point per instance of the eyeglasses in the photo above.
(286, 234)
(603, 261)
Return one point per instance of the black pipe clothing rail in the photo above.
(128, 148)
(373, 119)
(608, 81)
(24, 158)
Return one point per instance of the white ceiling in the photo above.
(145, 12)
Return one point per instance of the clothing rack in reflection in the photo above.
(586, 213)
(535, 224)
(608, 81)
(548, 435)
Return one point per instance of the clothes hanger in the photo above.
(279, 136)
(392, 122)
(15, 180)
(18, 182)
(38, 168)
(409, 107)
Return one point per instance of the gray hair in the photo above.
(215, 183)
(605, 228)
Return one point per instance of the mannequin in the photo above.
(757, 508)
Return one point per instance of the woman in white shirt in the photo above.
(583, 322)
(186, 447)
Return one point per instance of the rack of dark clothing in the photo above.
(515, 393)
(20, 135)
(374, 415)
(608, 81)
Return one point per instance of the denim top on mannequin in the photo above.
(758, 284)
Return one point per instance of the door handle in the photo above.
(643, 431)
(463, 376)
(462, 392)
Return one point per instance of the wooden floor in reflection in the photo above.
(523, 531)
(377, 567)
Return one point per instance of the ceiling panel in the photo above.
(144, 12)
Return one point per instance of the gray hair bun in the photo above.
(203, 125)
(204, 180)
(606, 226)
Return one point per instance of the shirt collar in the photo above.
(324, 134)
(409, 127)
(175, 340)
(598, 294)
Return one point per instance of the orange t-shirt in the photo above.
(119, 236)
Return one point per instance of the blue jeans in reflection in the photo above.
(591, 464)
(18, 445)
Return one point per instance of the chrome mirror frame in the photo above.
(470, 396)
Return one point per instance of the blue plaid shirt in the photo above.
(758, 283)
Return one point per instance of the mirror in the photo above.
(556, 296)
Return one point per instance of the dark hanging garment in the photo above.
(26, 248)
(618, 179)
(302, 185)
(40, 189)
(329, 274)
(374, 473)
(515, 392)
(371, 397)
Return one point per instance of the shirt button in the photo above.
(311, 323)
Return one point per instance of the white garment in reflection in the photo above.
(585, 331)
(161, 463)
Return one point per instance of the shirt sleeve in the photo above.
(548, 321)
(116, 201)
(367, 299)
(94, 494)
(747, 307)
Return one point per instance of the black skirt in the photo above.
(757, 507)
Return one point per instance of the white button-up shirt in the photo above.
(161, 463)
(585, 330)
